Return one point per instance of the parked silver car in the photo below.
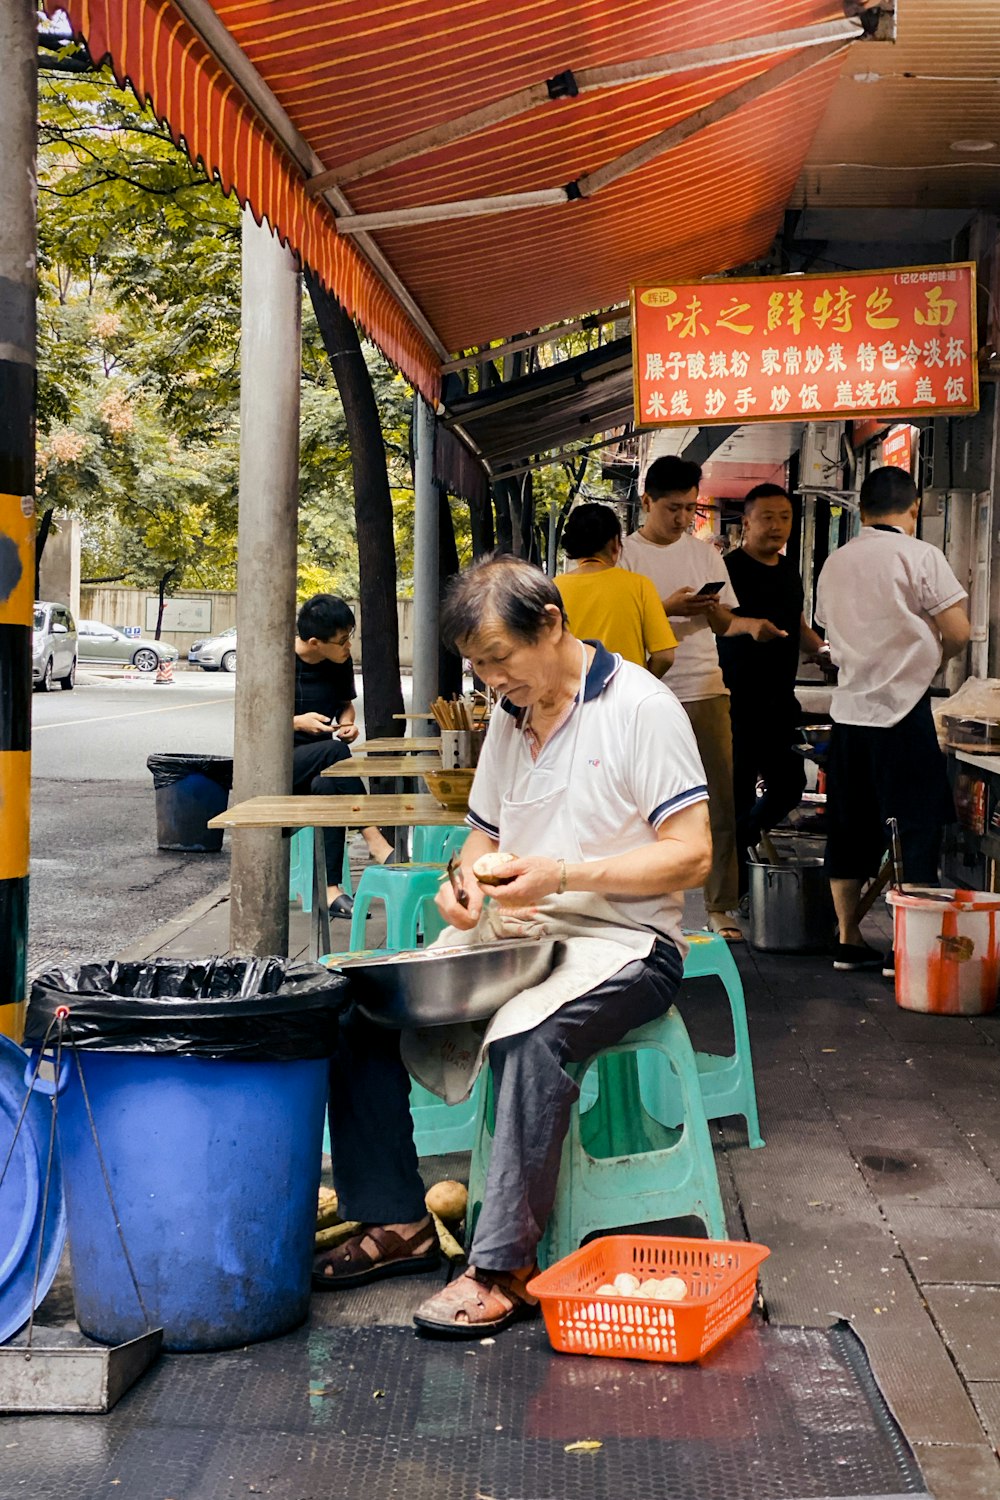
(103, 643)
(216, 652)
(53, 647)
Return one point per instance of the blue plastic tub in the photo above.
(215, 1168)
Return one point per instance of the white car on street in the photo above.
(216, 653)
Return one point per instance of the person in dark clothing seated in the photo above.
(324, 726)
(761, 678)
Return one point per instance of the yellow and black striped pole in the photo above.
(18, 112)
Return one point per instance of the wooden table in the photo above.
(400, 744)
(384, 765)
(335, 812)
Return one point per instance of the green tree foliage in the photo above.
(139, 322)
(139, 314)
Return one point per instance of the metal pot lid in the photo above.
(31, 1235)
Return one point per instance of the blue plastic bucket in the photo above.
(214, 1166)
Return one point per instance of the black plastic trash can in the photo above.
(190, 789)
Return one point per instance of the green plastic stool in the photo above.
(407, 892)
(727, 1083)
(431, 845)
(300, 868)
(438, 1128)
(619, 1165)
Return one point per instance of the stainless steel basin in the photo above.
(440, 986)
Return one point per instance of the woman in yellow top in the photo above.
(605, 603)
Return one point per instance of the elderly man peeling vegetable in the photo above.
(590, 778)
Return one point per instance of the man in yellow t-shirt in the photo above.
(604, 603)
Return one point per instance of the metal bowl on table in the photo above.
(442, 986)
(817, 735)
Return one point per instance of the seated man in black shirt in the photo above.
(761, 677)
(324, 725)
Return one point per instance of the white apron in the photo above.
(536, 817)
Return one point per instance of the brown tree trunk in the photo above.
(44, 527)
(481, 523)
(372, 514)
(505, 521)
(449, 662)
(162, 588)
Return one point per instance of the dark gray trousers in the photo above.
(371, 1130)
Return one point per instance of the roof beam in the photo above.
(612, 171)
(560, 456)
(570, 84)
(545, 336)
(230, 56)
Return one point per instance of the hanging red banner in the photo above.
(772, 349)
(897, 448)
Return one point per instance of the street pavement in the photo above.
(98, 881)
(105, 728)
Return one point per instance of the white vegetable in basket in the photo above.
(670, 1289)
(626, 1285)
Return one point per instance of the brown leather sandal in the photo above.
(375, 1253)
(476, 1305)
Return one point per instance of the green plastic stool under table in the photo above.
(407, 892)
(619, 1165)
(431, 845)
(727, 1084)
(300, 867)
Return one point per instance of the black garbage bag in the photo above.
(170, 767)
(243, 1009)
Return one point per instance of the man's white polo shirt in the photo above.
(636, 763)
(877, 597)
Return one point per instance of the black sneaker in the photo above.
(889, 965)
(849, 958)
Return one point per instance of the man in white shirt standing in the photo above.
(893, 611)
(691, 579)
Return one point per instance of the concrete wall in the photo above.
(124, 606)
(59, 574)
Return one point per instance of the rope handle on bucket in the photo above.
(58, 1024)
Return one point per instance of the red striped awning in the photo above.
(349, 78)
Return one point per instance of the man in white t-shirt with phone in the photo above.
(692, 581)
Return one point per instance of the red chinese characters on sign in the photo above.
(872, 343)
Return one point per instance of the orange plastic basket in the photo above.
(721, 1278)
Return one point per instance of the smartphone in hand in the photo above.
(708, 590)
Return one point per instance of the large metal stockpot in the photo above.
(791, 909)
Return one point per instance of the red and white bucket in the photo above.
(947, 950)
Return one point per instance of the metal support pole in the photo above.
(270, 368)
(426, 573)
(18, 115)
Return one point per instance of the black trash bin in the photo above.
(190, 789)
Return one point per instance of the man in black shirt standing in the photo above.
(324, 726)
(761, 677)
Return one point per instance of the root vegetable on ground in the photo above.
(449, 1200)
